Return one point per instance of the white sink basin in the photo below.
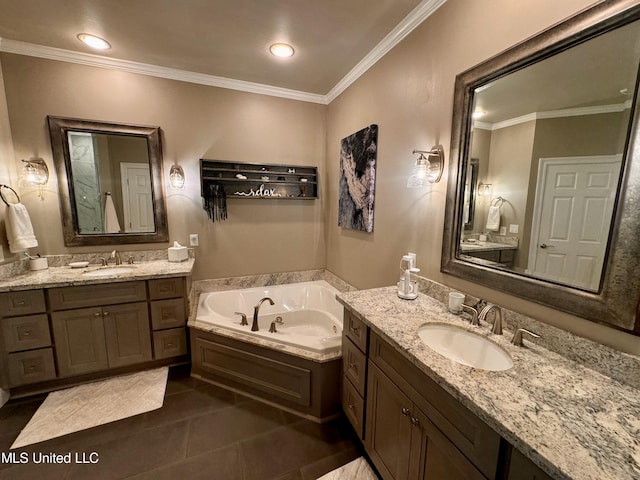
(109, 271)
(465, 347)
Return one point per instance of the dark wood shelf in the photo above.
(263, 181)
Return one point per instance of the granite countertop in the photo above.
(66, 276)
(485, 246)
(573, 422)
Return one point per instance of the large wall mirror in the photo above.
(110, 182)
(545, 140)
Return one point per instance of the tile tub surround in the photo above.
(572, 421)
(62, 276)
(234, 283)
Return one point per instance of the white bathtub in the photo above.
(311, 315)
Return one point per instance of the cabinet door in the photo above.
(521, 468)
(79, 341)
(388, 428)
(127, 334)
(433, 456)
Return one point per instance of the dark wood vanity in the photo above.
(53, 337)
(411, 428)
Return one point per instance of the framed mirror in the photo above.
(553, 125)
(110, 182)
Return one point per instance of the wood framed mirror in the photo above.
(110, 182)
(560, 145)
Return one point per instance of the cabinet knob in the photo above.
(31, 367)
(97, 314)
(27, 333)
(406, 411)
(106, 314)
(353, 366)
(169, 345)
(20, 303)
(351, 406)
(415, 422)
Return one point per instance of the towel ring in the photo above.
(4, 199)
(498, 201)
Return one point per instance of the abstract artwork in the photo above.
(358, 154)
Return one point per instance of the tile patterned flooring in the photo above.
(201, 432)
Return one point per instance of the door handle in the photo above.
(544, 245)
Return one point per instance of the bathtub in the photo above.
(311, 315)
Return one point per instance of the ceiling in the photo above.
(220, 42)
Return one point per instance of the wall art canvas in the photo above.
(358, 153)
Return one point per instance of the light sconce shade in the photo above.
(484, 189)
(176, 177)
(35, 172)
(428, 167)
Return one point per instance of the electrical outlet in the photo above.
(513, 228)
(193, 239)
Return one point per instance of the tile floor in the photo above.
(201, 432)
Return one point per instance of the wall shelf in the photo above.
(263, 181)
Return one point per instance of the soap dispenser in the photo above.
(407, 289)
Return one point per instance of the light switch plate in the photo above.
(513, 228)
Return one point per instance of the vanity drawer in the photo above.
(162, 288)
(65, 298)
(168, 313)
(475, 439)
(356, 330)
(354, 365)
(170, 343)
(31, 366)
(26, 333)
(353, 406)
(23, 302)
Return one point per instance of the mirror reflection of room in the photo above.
(549, 142)
(111, 183)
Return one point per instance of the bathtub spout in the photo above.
(256, 309)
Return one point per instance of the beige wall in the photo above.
(197, 121)
(409, 94)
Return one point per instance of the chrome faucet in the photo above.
(497, 320)
(473, 312)
(517, 338)
(116, 256)
(256, 309)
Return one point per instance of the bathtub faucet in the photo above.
(256, 309)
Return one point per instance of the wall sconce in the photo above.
(428, 167)
(35, 172)
(176, 177)
(484, 190)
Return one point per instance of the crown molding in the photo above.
(404, 28)
(408, 24)
(88, 59)
(567, 112)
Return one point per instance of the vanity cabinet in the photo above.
(412, 428)
(403, 443)
(521, 468)
(168, 317)
(59, 336)
(354, 370)
(26, 337)
(92, 339)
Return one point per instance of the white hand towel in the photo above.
(111, 222)
(19, 229)
(493, 218)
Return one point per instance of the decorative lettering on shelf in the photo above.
(260, 192)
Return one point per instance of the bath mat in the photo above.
(93, 404)
(358, 469)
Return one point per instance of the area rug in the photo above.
(358, 469)
(93, 404)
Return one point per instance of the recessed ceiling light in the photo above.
(281, 50)
(93, 41)
(478, 114)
